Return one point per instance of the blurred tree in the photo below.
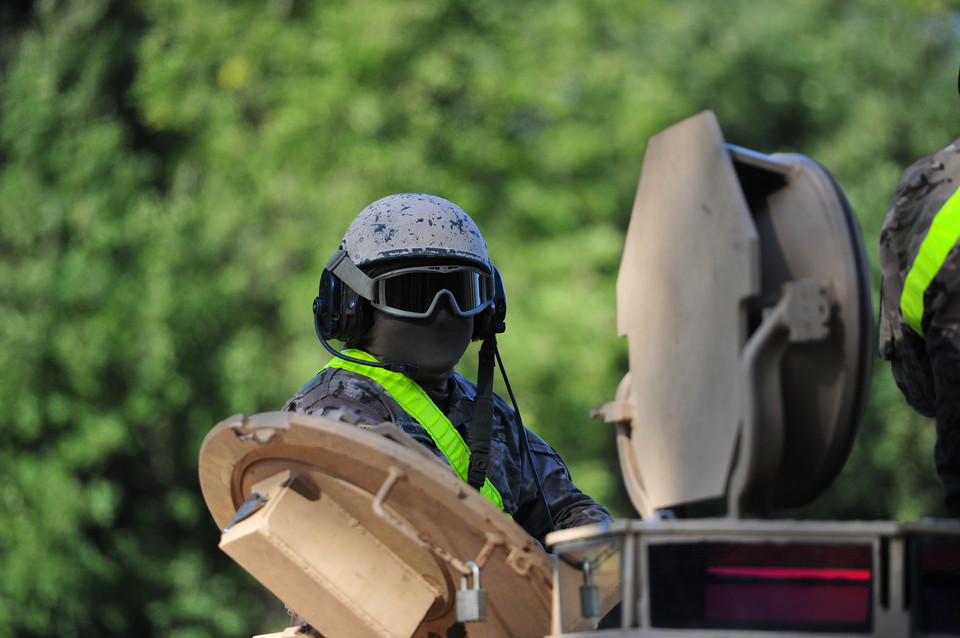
(107, 357)
(174, 174)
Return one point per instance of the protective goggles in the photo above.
(416, 291)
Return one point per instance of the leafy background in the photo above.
(174, 174)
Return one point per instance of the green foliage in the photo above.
(174, 174)
(109, 332)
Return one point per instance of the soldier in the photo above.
(409, 289)
(920, 302)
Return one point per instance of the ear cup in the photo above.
(491, 321)
(339, 312)
(327, 306)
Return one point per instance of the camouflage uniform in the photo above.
(510, 470)
(927, 370)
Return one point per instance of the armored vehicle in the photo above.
(744, 294)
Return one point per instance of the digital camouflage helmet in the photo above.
(401, 255)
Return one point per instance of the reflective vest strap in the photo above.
(940, 239)
(415, 402)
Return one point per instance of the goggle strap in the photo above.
(341, 266)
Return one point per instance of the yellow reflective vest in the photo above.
(415, 402)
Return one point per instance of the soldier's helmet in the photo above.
(414, 226)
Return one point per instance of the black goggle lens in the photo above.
(414, 291)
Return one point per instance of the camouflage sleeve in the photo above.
(569, 507)
(945, 358)
(942, 309)
(913, 374)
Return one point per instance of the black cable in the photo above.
(524, 442)
(394, 366)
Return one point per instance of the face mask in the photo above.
(434, 344)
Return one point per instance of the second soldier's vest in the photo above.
(940, 239)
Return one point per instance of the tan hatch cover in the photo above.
(365, 534)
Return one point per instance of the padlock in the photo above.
(471, 603)
(589, 593)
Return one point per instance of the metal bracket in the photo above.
(801, 315)
(621, 409)
(805, 310)
(464, 569)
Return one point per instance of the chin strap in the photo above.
(481, 428)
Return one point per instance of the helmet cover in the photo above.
(414, 225)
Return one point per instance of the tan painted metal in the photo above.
(890, 602)
(319, 544)
(682, 355)
(744, 294)
(319, 555)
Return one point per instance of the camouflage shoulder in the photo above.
(923, 189)
(338, 389)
